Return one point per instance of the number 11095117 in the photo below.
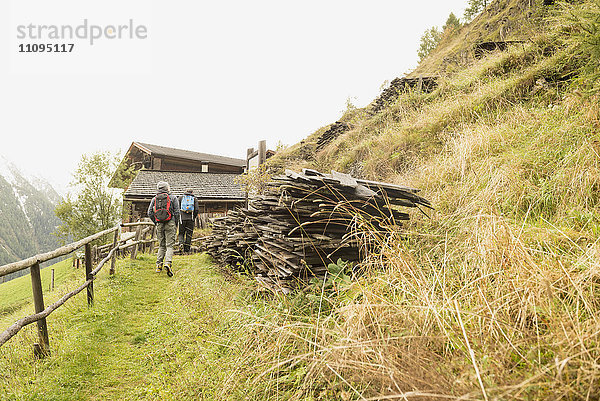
(46, 48)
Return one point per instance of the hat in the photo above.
(163, 186)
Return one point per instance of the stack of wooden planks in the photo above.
(336, 129)
(304, 221)
(400, 85)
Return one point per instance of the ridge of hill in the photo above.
(501, 21)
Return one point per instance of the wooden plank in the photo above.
(305, 220)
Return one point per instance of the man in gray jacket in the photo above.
(164, 212)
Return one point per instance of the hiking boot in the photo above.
(158, 268)
(169, 271)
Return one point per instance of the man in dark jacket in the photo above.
(164, 212)
(187, 217)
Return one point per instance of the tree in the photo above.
(452, 23)
(474, 8)
(95, 207)
(429, 41)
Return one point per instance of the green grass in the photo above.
(17, 293)
(507, 149)
(122, 348)
(198, 335)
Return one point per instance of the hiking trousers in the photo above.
(186, 230)
(165, 233)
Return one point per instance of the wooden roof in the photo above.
(205, 185)
(156, 150)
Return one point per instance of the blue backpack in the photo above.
(187, 203)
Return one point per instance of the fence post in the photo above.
(43, 348)
(148, 236)
(113, 260)
(88, 274)
(134, 248)
(52, 281)
(262, 152)
(142, 247)
(152, 236)
(94, 254)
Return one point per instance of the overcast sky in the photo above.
(214, 77)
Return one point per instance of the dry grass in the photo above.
(496, 295)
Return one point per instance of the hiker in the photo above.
(187, 217)
(164, 212)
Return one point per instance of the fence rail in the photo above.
(33, 263)
(44, 257)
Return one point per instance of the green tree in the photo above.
(95, 206)
(124, 174)
(429, 41)
(452, 23)
(474, 8)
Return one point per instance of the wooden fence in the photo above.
(96, 255)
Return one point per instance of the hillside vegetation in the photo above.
(495, 294)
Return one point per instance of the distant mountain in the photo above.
(27, 217)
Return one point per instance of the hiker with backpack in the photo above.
(187, 217)
(164, 212)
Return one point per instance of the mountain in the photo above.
(27, 218)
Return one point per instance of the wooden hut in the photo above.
(155, 157)
(212, 177)
(217, 193)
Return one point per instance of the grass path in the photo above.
(144, 338)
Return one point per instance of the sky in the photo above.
(214, 77)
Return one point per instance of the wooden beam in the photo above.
(138, 223)
(43, 257)
(262, 152)
(43, 347)
(113, 260)
(138, 232)
(152, 238)
(88, 274)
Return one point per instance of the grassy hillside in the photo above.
(496, 293)
(17, 293)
